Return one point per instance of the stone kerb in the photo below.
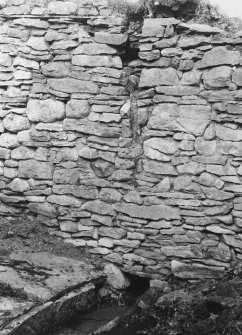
(150, 180)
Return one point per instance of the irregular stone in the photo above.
(194, 271)
(232, 241)
(201, 28)
(98, 207)
(33, 23)
(219, 56)
(191, 78)
(18, 185)
(159, 168)
(62, 8)
(217, 77)
(55, 69)
(38, 43)
(156, 27)
(193, 42)
(114, 233)
(155, 77)
(80, 191)
(68, 226)
(133, 197)
(219, 230)
(193, 119)
(166, 43)
(228, 134)
(48, 110)
(87, 152)
(66, 176)
(154, 212)
(64, 200)
(16, 10)
(182, 251)
(112, 39)
(234, 108)
(102, 219)
(102, 168)
(215, 194)
(44, 209)
(35, 169)
(205, 148)
(110, 195)
(22, 153)
(27, 63)
(179, 91)
(5, 60)
(71, 85)
(94, 49)
(64, 45)
(8, 141)
(115, 277)
(237, 76)
(92, 61)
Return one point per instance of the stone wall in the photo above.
(149, 176)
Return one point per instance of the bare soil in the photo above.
(24, 234)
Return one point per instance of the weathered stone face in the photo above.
(45, 111)
(217, 77)
(77, 109)
(35, 169)
(156, 77)
(71, 85)
(219, 56)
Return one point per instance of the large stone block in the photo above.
(62, 8)
(158, 148)
(64, 200)
(112, 39)
(15, 123)
(156, 27)
(38, 43)
(94, 49)
(5, 59)
(8, 141)
(228, 134)
(155, 77)
(194, 271)
(35, 169)
(93, 61)
(71, 85)
(217, 77)
(55, 69)
(48, 110)
(154, 212)
(219, 56)
(187, 118)
(78, 109)
(237, 76)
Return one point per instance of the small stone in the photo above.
(18, 185)
(62, 8)
(112, 39)
(8, 141)
(35, 169)
(219, 56)
(38, 43)
(155, 77)
(217, 77)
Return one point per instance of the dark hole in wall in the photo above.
(138, 285)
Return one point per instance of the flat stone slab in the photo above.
(31, 282)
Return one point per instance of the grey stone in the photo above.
(62, 8)
(232, 241)
(219, 56)
(98, 207)
(38, 43)
(237, 76)
(156, 27)
(35, 169)
(94, 49)
(48, 110)
(115, 277)
(80, 191)
(55, 69)
(193, 42)
(15, 123)
(148, 212)
(194, 271)
(217, 77)
(102, 168)
(205, 148)
(71, 85)
(201, 28)
(18, 185)
(192, 118)
(22, 153)
(8, 141)
(234, 108)
(33, 23)
(215, 194)
(156, 77)
(5, 59)
(112, 39)
(77, 109)
(92, 61)
(115, 233)
(159, 168)
(191, 78)
(64, 200)
(228, 134)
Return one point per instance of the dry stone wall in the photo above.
(149, 176)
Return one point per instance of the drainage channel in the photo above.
(111, 308)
